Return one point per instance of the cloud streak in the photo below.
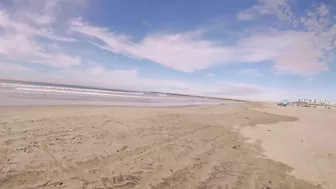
(251, 72)
(278, 8)
(292, 52)
(20, 38)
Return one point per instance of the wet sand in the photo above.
(308, 145)
(155, 148)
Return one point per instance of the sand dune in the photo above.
(122, 147)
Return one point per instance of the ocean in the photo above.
(22, 93)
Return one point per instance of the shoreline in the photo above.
(37, 93)
(120, 106)
(112, 102)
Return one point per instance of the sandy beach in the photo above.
(236, 146)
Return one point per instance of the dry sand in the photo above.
(122, 147)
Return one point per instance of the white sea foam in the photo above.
(35, 93)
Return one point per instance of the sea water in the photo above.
(30, 93)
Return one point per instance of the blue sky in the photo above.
(248, 49)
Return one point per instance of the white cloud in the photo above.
(11, 25)
(21, 48)
(181, 51)
(19, 40)
(246, 15)
(253, 13)
(210, 75)
(251, 72)
(61, 60)
(12, 67)
(233, 88)
(146, 23)
(41, 19)
(45, 12)
(279, 8)
(312, 44)
(293, 52)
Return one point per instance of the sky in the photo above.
(245, 49)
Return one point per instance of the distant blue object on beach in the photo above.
(283, 103)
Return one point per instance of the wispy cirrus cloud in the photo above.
(22, 30)
(308, 42)
(278, 8)
(146, 23)
(5, 67)
(181, 51)
(211, 75)
(292, 51)
(251, 72)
